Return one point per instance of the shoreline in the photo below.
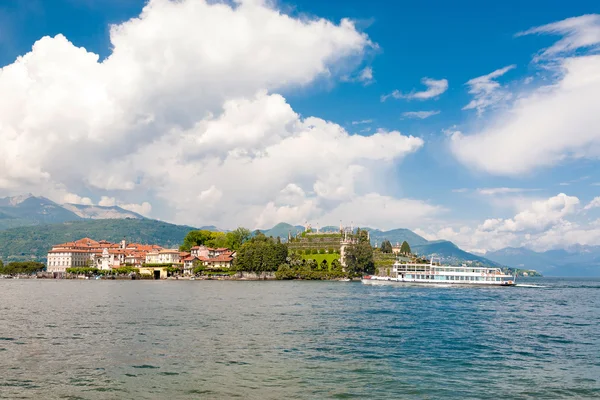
(202, 278)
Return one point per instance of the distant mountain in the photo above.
(34, 242)
(29, 210)
(211, 228)
(101, 212)
(449, 253)
(396, 236)
(282, 230)
(574, 261)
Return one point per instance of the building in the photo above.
(168, 256)
(61, 259)
(190, 262)
(217, 258)
(102, 254)
(220, 261)
(199, 251)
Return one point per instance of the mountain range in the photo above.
(574, 261)
(29, 210)
(30, 225)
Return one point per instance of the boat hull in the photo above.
(417, 282)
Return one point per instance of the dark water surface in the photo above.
(297, 340)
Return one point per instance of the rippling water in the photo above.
(297, 340)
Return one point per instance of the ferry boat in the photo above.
(434, 274)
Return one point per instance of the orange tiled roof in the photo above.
(221, 258)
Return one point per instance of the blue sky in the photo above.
(451, 184)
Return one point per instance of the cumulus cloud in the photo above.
(143, 209)
(486, 91)
(72, 198)
(549, 124)
(541, 225)
(185, 113)
(434, 89)
(420, 114)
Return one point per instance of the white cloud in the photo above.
(72, 198)
(364, 76)
(539, 216)
(364, 121)
(549, 124)
(386, 212)
(184, 115)
(143, 209)
(542, 128)
(503, 190)
(487, 92)
(310, 156)
(106, 201)
(541, 225)
(595, 203)
(420, 114)
(577, 32)
(434, 89)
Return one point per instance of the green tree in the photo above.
(196, 238)
(324, 265)
(260, 254)
(386, 246)
(237, 237)
(405, 248)
(218, 240)
(199, 267)
(359, 257)
(22, 267)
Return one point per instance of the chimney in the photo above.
(123, 244)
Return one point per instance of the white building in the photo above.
(171, 256)
(61, 259)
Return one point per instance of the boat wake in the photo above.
(530, 286)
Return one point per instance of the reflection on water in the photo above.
(297, 340)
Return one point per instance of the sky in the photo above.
(466, 121)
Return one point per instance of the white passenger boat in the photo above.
(445, 275)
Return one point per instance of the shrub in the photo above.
(322, 251)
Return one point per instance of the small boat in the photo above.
(345, 280)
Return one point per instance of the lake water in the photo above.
(297, 340)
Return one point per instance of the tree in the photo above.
(236, 238)
(218, 240)
(405, 248)
(324, 265)
(386, 247)
(260, 254)
(359, 258)
(24, 267)
(196, 238)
